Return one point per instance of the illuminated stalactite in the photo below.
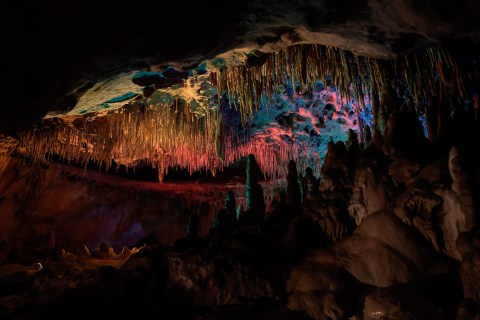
(428, 72)
(193, 135)
(165, 135)
(354, 76)
(272, 157)
(164, 138)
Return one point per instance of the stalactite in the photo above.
(193, 134)
(429, 71)
(245, 85)
(165, 135)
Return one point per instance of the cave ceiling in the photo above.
(77, 62)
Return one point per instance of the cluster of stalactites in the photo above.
(177, 135)
(428, 71)
(355, 77)
(273, 157)
(245, 85)
(164, 135)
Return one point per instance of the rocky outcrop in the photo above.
(84, 207)
(172, 282)
(371, 192)
(382, 252)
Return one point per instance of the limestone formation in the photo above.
(461, 186)
(424, 207)
(371, 192)
(230, 106)
(293, 193)
(403, 136)
(382, 252)
(367, 136)
(335, 169)
(254, 192)
(280, 211)
(309, 185)
(322, 291)
(403, 170)
(352, 143)
(459, 213)
(230, 202)
(226, 220)
(192, 226)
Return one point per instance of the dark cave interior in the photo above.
(240, 160)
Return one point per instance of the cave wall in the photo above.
(85, 207)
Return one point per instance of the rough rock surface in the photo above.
(85, 42)
(413, 252)
(34, 201)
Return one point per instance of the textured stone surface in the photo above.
(55, 52)
(90, 207)
(413, 199)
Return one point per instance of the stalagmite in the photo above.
(293, 193)
(461, 186)
(125, 253)
(367, 135)
(254, 192)
(84, 250)
(309, 185)
(459, 213)
(192, 226)
(352, 143)
(230, 202)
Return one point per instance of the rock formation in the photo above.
(293, 194)
(140, 145)
(254, 192)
